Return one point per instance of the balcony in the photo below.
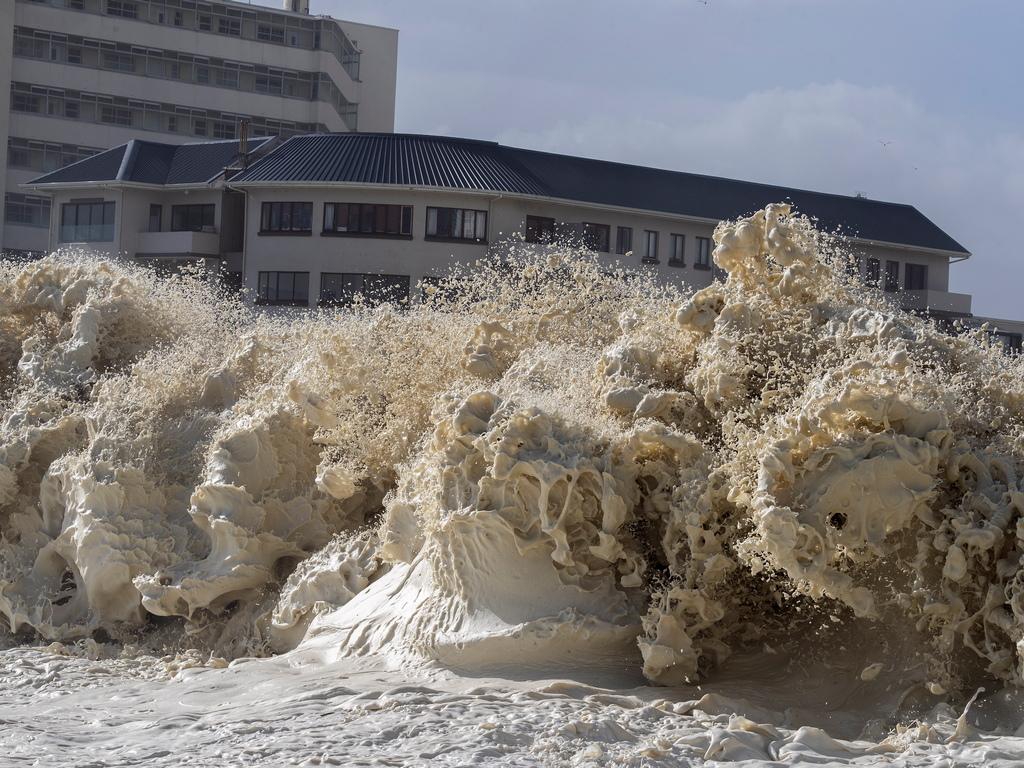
(941, 302)
(178, 244)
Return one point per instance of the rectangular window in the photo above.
(457, 224)
(229, 26)
(156, 215)
(287, 217)
(26, 102)
(368, 219)
(597, 237)
(873, 273)
(339, 289)
(650, 246)
(539, 229)
(199, 127)
(192, 218)
(202, 74)
(283, 288)
(892, 276)
(703, 260)
(87, 222)
(72, 109)
(27, 210)
(115, 115)
(223, 129)
(120, 62)
(74, 54)
(205, 23)
(179, 19)
(915, 277)
(269, 34)
(122, 8)
(227, 78)
(623, 240)
(677, 252)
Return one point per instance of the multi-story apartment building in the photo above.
(85, 75)
(320, 218)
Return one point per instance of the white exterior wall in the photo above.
(374, 93)
(418, 257)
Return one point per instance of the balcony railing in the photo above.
(178, 243)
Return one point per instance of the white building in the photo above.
(86, 75)
(316, 219)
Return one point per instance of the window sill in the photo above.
(369, 235)
(463, 240)
(676, 264)
(275, 233)
(704, 267)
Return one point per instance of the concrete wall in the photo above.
(374, 92)
(6, 57)
(419, 257)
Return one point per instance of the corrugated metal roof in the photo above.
(436, 161)
(152, 162)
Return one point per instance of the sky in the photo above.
(914, 101)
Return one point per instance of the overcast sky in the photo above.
(916, 101)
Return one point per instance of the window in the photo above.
(269, 34)
(915, 277)
(26, 102)
(202, 74)
(539, 229)
(121, 62)
(368, 219)
(623, 240)
(703, 260)
(283, 288)
(597, 237)
(229, 26)
(156, 214)
(457, 224)
(892, 276)
(192, 218)
(268, 85)
(121, 8)
(296, 218)
(650, 246)
(179, 20)
(227, 78)
(874, 272)
(199, 127)
(222, 129)
(27, 210)
(71, 109)
(115, 115)
(677, 251)
(87, 222)
(205, 23)
(340, 289)
(74, 55)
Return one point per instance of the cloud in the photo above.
(835, 137)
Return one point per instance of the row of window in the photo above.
(27, 210)
(915, 276)
(44, 156)
(251, 24)
(144, 115)
(373, 220)
(597, 237)
(172, 65)
(337, 289)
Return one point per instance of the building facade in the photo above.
(319, 219)
(81, 75)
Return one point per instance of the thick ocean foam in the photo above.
(779, 483)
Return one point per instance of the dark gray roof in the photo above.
(151, 162)
(437, 161)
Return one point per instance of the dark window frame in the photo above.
(673, 239)
(873, 271)
(192, 217)
(263, 289)
(651, 236)
(623, 240)
(385, 220)
(352, 284)
(156, 212)
(272, 223)
(915, 277)
(597, 237)
(107, 209)
(539, 229)
(892, 276)
(455, 214)
(702, 258)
